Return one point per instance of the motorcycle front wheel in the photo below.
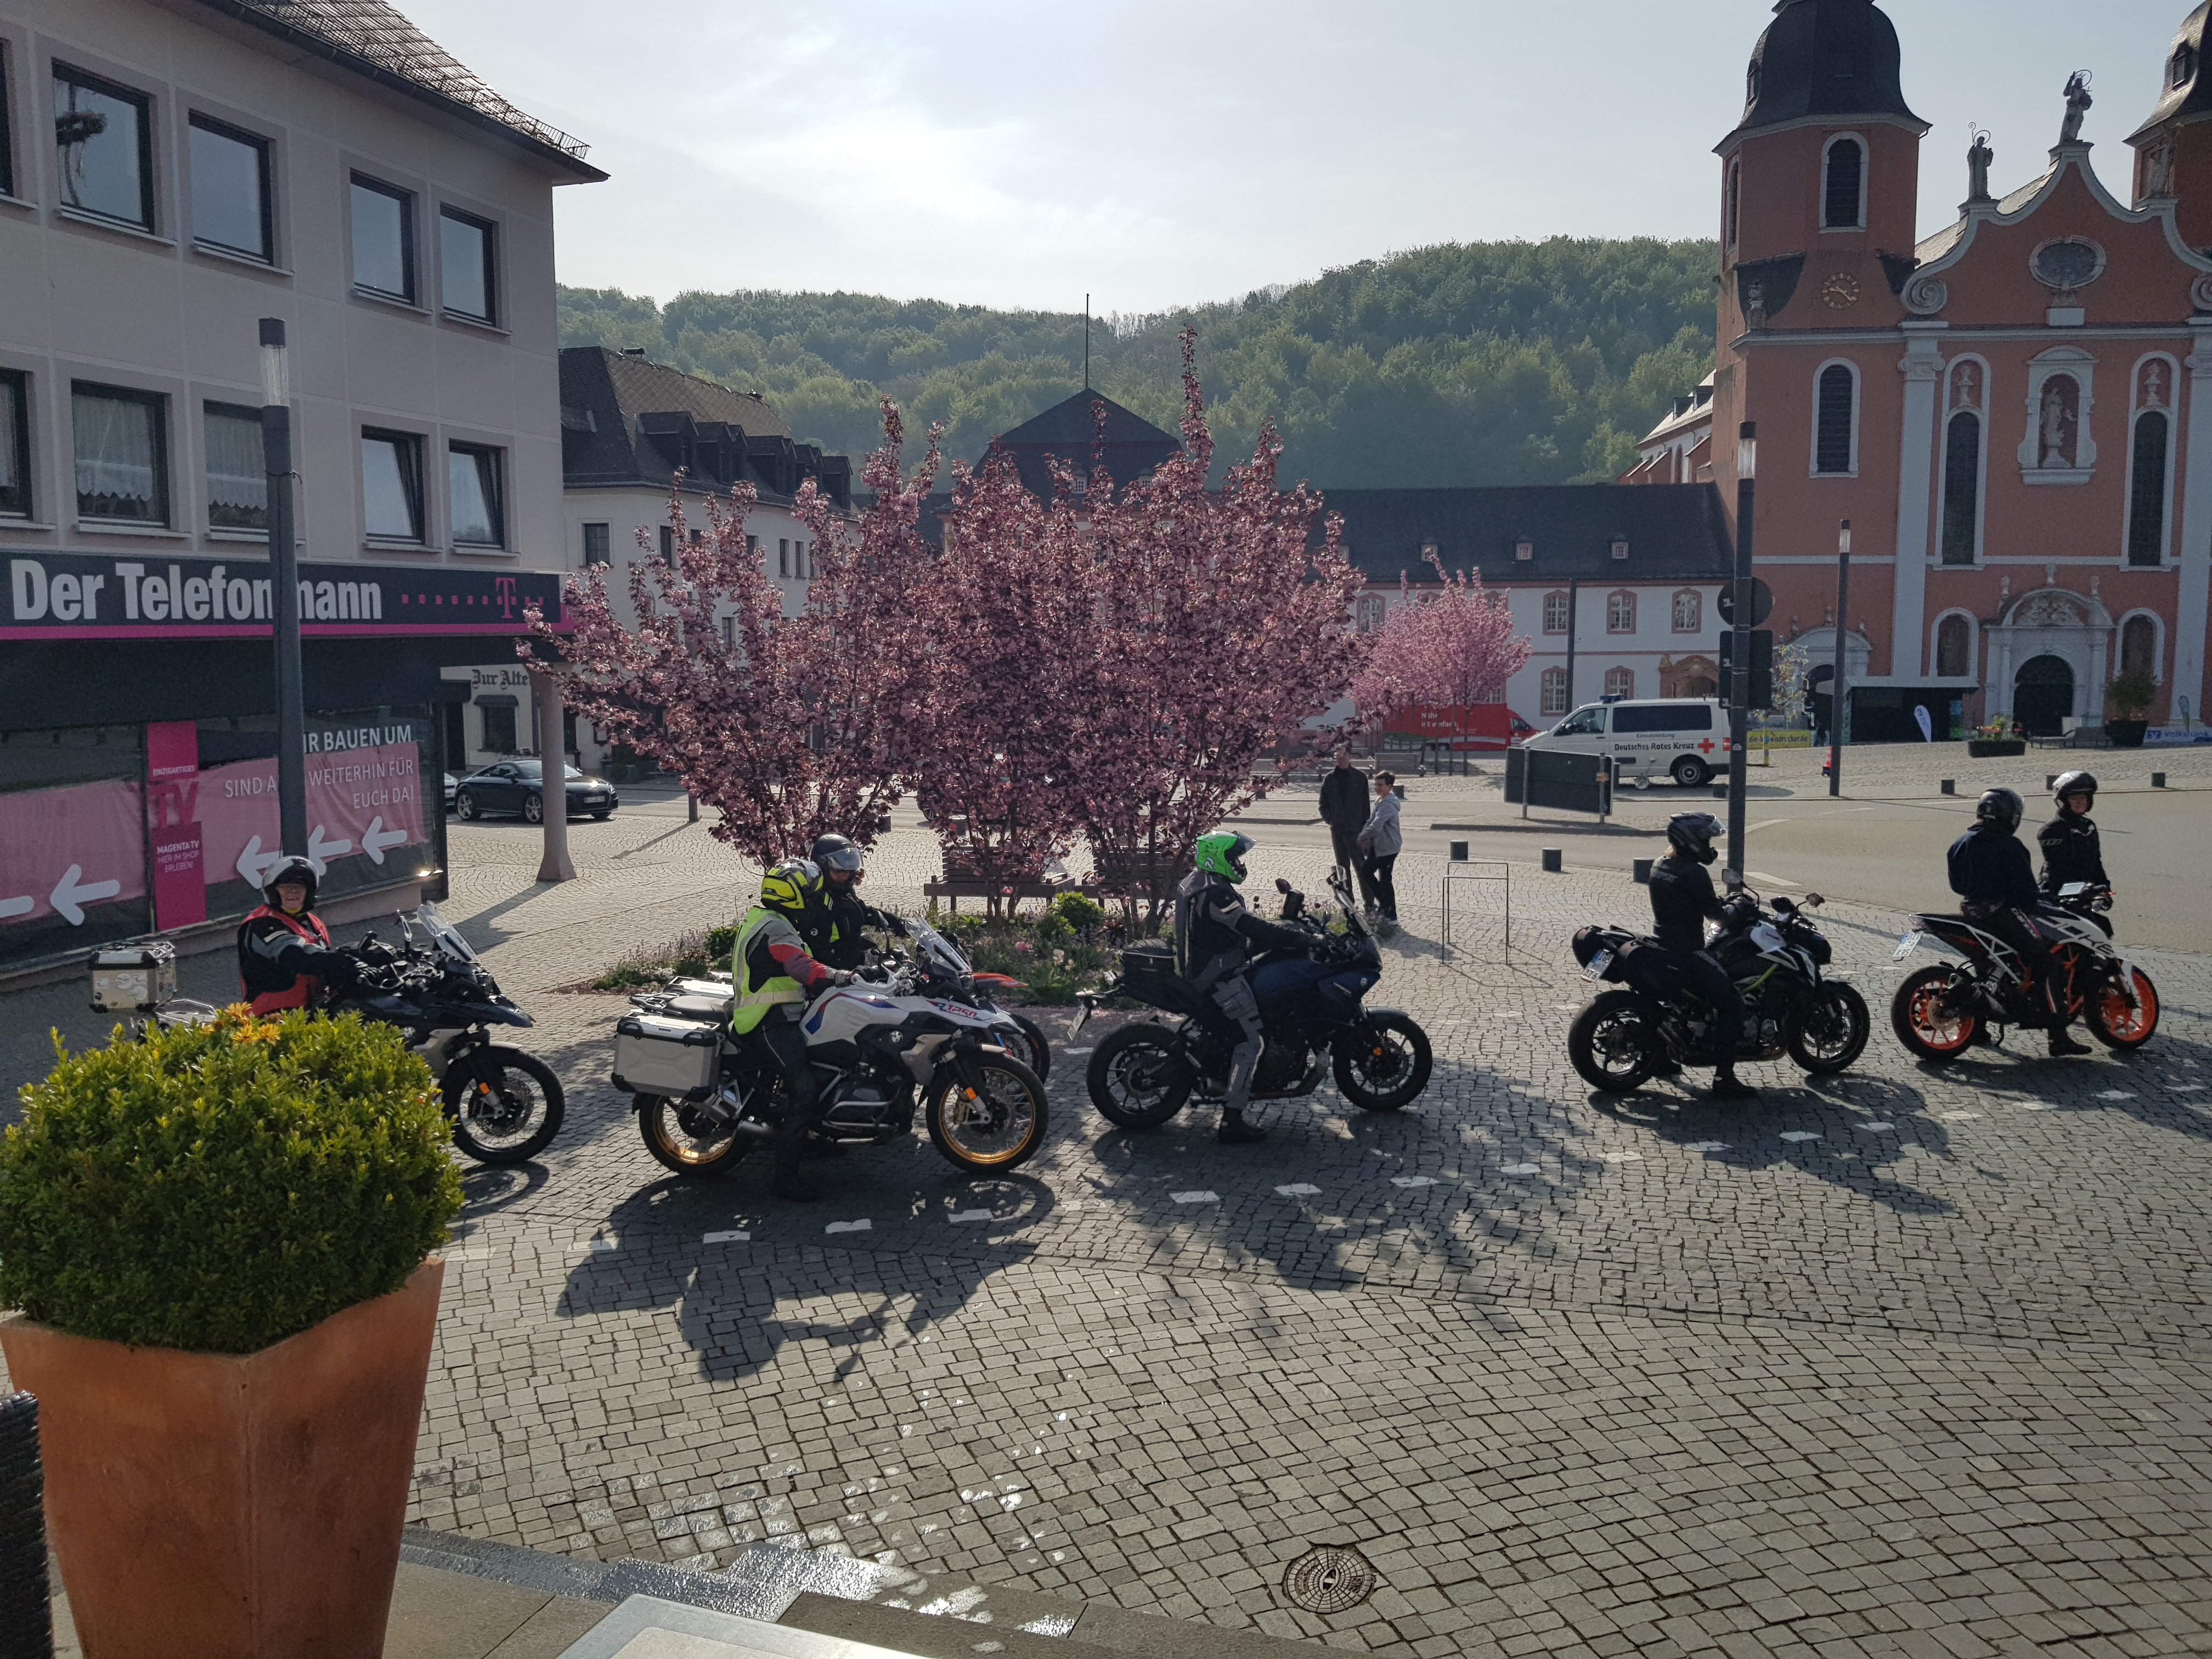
(1830, 1030)
(684, 1139)
(993, 1127)
(2115, 1024)
(1923, 1025)
(1384, 1063)
(1611, 1043)
(1137, 1078)
(505, 1106)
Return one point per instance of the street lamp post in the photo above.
(1836, 690)
(284, 581)
(1747, 470)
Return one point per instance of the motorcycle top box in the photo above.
(674, 1057)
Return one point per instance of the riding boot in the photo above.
(1235, 1131)
(2063, 1046)
(1729, 1086)
(792, 1183)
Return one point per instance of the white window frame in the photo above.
(1866, 171)
(1566, 612)
(1973, 641)
(1980, 409)
(1697, 599)
(1549, 678)
(1622, 669)
(1858, 402)
(2171, 410)
(2157, 642)
(1612, 601)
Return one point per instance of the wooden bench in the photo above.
(953, 889)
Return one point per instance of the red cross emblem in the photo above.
(1706, 745)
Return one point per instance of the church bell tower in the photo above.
(2174, 146)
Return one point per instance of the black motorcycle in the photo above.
(506, 1106)
(1627, 1035)
(1311, 1010)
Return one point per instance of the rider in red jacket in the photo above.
(284, 954)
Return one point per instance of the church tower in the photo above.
(2174, 146)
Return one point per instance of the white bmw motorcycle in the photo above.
(705, 1097)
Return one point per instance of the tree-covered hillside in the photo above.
(1488, 363)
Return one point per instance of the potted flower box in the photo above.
(219, 1241)
(2128, 699)
(1999, 737)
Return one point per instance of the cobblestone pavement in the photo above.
(1907, 1361)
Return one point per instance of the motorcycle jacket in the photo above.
(283, 959)
(837, 931)
(1682, 902)
(1988, 868)
(770, 967)
(2071, 851)
(1216, 935)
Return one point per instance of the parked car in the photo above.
(519, 786)
(452, 786)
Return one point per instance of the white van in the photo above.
(1685, 738)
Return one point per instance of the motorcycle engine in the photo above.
(1282, 1067)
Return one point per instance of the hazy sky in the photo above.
(1156, 153)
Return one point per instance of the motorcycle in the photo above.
(506, 1106)
(1141, 1075)
(1775, 956)
(705, 1097)
(1939, 1011)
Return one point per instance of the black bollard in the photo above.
(2158, 780)
(1642, 871)
(1459, 852)
(26, 1613)
(1555, 860)
(1950, 786)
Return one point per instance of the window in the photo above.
(1554, 691)
(1619, 681)
(498, 728)
(1620, 613)
(1555, 613)
(1834, 439)
(1660, 717)
(1369, 613)
(105, 136)
(598, 548)
(1732, 213)
(472, 478)
(15, 444)
(1842, 188)
(783, 556)
(7, 132)
(729, 633)
(237, 470)
(1621, 547)
(806, 557)
(122, 454)
(383, 240)
(1954, 649)
(2139, 647)
(465, 277)
(1689, 612)
(668, 544)
(1585, 722)
(2147, 490)
(1962, 487)
(2181, 68)
(230, 191)
(392, 485)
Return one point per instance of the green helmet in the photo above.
(1222, 854)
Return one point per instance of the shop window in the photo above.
(2146, 489)
(1554, 690)
(498, 729)
(473, 479)
(1962, 487)
(230, 191)
(1620, 613)
(597, 545)
(1835, 439)
(122, 453)
(1842, 196)
(383, 240)
(1555, 613)
(466, 285)
(104, 140)
(2139, 647)
(1619, 681)
(15, 444)
(1689, 612)
(1954, 649)
(237, 470)
(392, 485)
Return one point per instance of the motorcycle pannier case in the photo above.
(657, 1056)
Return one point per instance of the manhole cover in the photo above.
(1330, 1578)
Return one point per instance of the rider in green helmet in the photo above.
(1216, 937)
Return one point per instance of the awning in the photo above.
(497, 700)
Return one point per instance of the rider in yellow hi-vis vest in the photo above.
(773, 978)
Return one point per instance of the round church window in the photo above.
(2073, 262)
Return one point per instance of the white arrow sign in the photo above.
(321, 852)
(376, 838)
(68, 897)
(18, 907)
(252, 861)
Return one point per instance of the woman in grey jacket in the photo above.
(1380, 843)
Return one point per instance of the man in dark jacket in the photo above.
(1343, 808)
(1215, 938)
(1991, 873)
(2071, 849)
(284, 954)
(1682, 902)
(837, 929)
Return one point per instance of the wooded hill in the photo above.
(1482, 363)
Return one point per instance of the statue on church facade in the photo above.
(1979, 159)
(2077, 106)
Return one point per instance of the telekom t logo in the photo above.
(171, 805)
(506, 587)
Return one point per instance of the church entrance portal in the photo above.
(2043, 695)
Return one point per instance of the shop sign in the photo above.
(114, 596)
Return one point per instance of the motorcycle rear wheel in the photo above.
(511, 1115)
(993, 1129)
(1039, 1058)
(662, 1120)
(2115, 1024)
(1384, 1071)
(1830, 1031)
(1924, 1025)
(1611, 1044)
(1136, 1079)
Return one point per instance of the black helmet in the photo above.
(1690, 834)
(836, 855)
(2000, 807)
(284, 872)
(2075, 783)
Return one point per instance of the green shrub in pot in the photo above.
(222, 1187)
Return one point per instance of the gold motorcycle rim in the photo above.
(968, 1120)
(677, 1141)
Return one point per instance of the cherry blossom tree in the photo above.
(1450, 647)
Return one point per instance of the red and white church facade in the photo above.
(2014, 414)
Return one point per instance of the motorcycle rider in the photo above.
(1989, 871)
(284, 954)
(2071, 849)
(1215, 937)
(837, 928)
(772, 979)
(1682, 902)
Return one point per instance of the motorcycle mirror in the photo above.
(1814, 900)
(1282, 885)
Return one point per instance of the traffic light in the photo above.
(1762, 668)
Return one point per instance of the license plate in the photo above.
(1598, 964)
(1081, 1019)
(1905, 946)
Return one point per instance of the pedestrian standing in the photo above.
(1344, 809)
(1379, 842)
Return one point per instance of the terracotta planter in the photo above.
(234, 1506)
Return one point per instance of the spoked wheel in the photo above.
(994, 1127)
(1611, 1043)
(1830, 1031)
(1384, 1063)
(506, 1105)
(2115, 1024)
(1137, 1078)
(1039, 1057)
(683, 1137)
(1923, 1023)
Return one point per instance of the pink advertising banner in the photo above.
(361, 802)
(173, 832)
(62, 850)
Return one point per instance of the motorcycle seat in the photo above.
(689, 1006)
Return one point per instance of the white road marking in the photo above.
(1523, 1168)
(1412, 1181)
(1075, 1051)
(1799, 1134)
(1706, 1147)
(971, 1215)
(1196, 1198)
(863, 1225)
(584, 1245)
(1878, 1128)
(2178, 1087)
(1959, 1117)
(1622, 1157)
(732, 1237)
(2117, 1094)
(2035, 1106)
(1297, 1189)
